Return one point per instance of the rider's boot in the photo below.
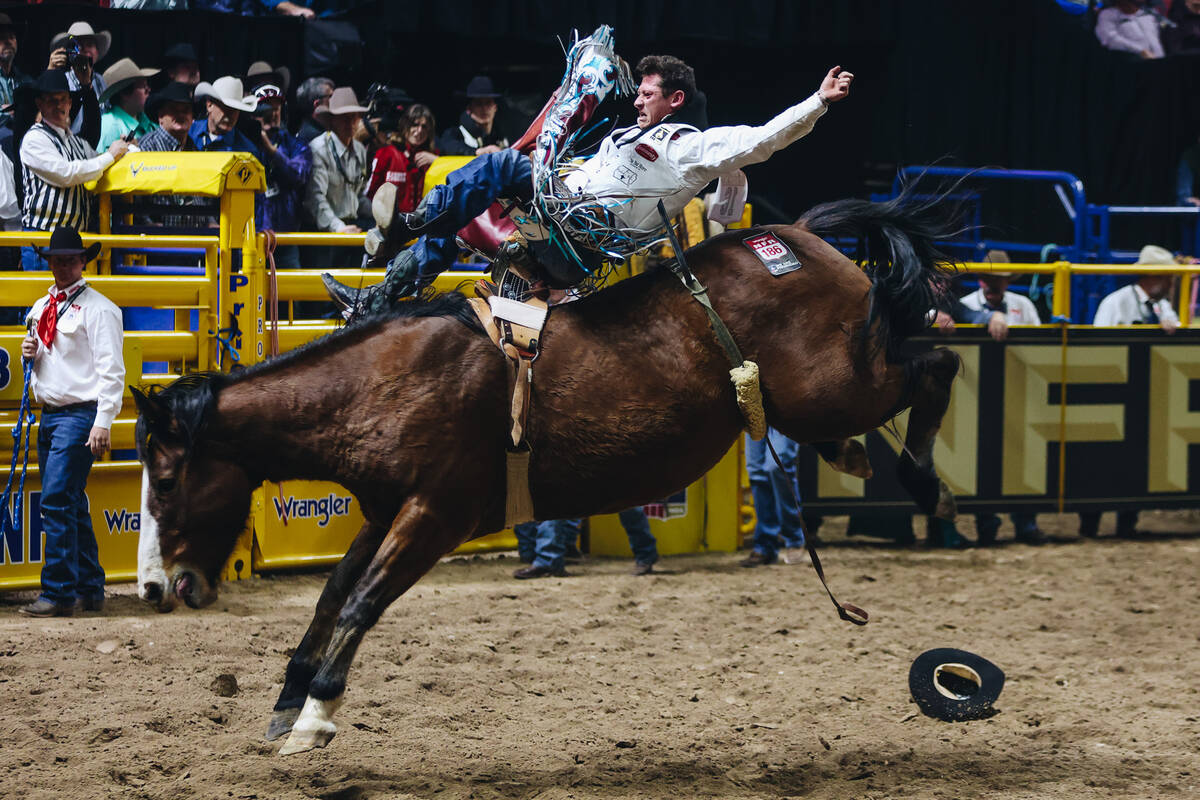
(400, 281)
(383, 209)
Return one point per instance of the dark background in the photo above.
(1016, 84)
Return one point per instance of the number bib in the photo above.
(773, 253)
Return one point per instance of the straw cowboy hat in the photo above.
(121, 75)
(261, 72)
(1158, 256)
(342, 101)
(226, 91)
(997, 257)
(65, 241)
(78, 29)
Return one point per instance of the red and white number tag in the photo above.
(773, 253)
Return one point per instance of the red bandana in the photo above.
(48, 324)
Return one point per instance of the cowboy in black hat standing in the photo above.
(181, 64)
(75, 344)
(10, 76)
(57, 164)
(476, 133)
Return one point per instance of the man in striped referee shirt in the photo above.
(56, 164)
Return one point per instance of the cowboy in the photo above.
(1144, 301)
(57, 164)
(10, 76)
(127, 93)
(171, 108)
(224, 101)
(476, 133)
(181, 64)
(993, 294)
(75, 345)
(660, 159)
(78, 49)
(337, 191)
(289, 164)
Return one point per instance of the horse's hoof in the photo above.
(302, 741)
(281, 723)
(854, 460)
(947, 506)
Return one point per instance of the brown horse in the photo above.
(632, 401)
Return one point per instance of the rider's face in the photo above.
(651, 105)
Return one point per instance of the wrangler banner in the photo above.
(1121, 435)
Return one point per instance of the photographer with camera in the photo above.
(77, 50)
(289, 164)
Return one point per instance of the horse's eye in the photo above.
(165, 485)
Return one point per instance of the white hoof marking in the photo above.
(313, 728)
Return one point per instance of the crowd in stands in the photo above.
(1150, 29)
(325, 150)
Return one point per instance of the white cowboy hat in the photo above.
(77, 29)
(342, 101)
(121, 74)
(228, 92)
(1153, 254)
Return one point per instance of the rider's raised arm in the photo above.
(713, 152)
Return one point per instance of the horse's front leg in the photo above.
(307, 658)
(412, 547)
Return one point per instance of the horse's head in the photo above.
(195, 496)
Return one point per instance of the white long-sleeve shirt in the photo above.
(1127, 306)
(56, 165)
(1129, 33)
(1018, 309)
(635, 168)
(84, 361)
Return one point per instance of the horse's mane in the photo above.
(191, 399)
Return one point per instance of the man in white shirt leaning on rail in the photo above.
(75, 344)
(1144, 301)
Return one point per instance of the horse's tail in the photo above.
(897, 248)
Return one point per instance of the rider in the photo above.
(660, 158)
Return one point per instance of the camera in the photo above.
(387, 104)
(77, 59)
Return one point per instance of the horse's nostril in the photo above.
(153, 592)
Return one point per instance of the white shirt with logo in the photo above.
(1019, 309)
(85, 360)
(1127, 306)
(636, 168)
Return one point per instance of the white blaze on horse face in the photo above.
(150, 564)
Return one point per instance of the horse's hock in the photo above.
(195, 302)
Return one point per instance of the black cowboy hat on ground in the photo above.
(174, 92)
(66, 242)
(479, 86)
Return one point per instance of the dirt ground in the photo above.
(706, 680)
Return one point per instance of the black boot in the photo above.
(400, 281)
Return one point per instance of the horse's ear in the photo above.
(153, 410)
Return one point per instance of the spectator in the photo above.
(1144, 301)
(10, 203)
(312, 98)
(289, 9)
(127, 93)
(993, 295)
(57, 164)
(181, 64)
(79, 377)
(171, 107)
(1128, 27)
(777, 514)
(289, 165)
(10, 76)
(93, 47)
(476, 133)
(336, 194)
(405, 160)
(224, 101)
(1184, 37)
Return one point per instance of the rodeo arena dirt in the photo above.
(526, 459)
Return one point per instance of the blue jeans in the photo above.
(72, 560)
(641, 540)
(467, 193)
(775, 508)
(544, 544)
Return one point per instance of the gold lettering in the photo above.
(1172, 426)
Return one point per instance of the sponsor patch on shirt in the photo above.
(646, 151)
(776, 256)
(660, 134)
(625, 175)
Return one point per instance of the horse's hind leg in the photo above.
(412, 547)
(848, 456)
(930, 397)
(307, 658)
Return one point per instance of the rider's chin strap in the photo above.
(745, 379)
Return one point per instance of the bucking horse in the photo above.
(409, 411)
